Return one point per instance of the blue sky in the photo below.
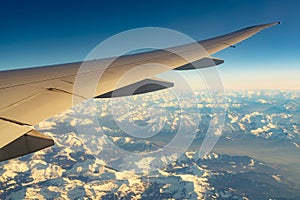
(35, 33)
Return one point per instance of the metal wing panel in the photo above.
(28, 143)
(38, 107)
(10, 131)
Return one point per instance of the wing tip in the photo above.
(271, 24)
(276, 23)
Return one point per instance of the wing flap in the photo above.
(39, 107)
(17, 139)
(27, 143)
(10, 131)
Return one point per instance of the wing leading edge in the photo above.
(32, 95)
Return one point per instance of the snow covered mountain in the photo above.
(75, 169)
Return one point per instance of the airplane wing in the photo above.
(29, 96)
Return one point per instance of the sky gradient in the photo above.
(35, 33)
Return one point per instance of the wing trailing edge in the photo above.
(19, 139)
(30, 142)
